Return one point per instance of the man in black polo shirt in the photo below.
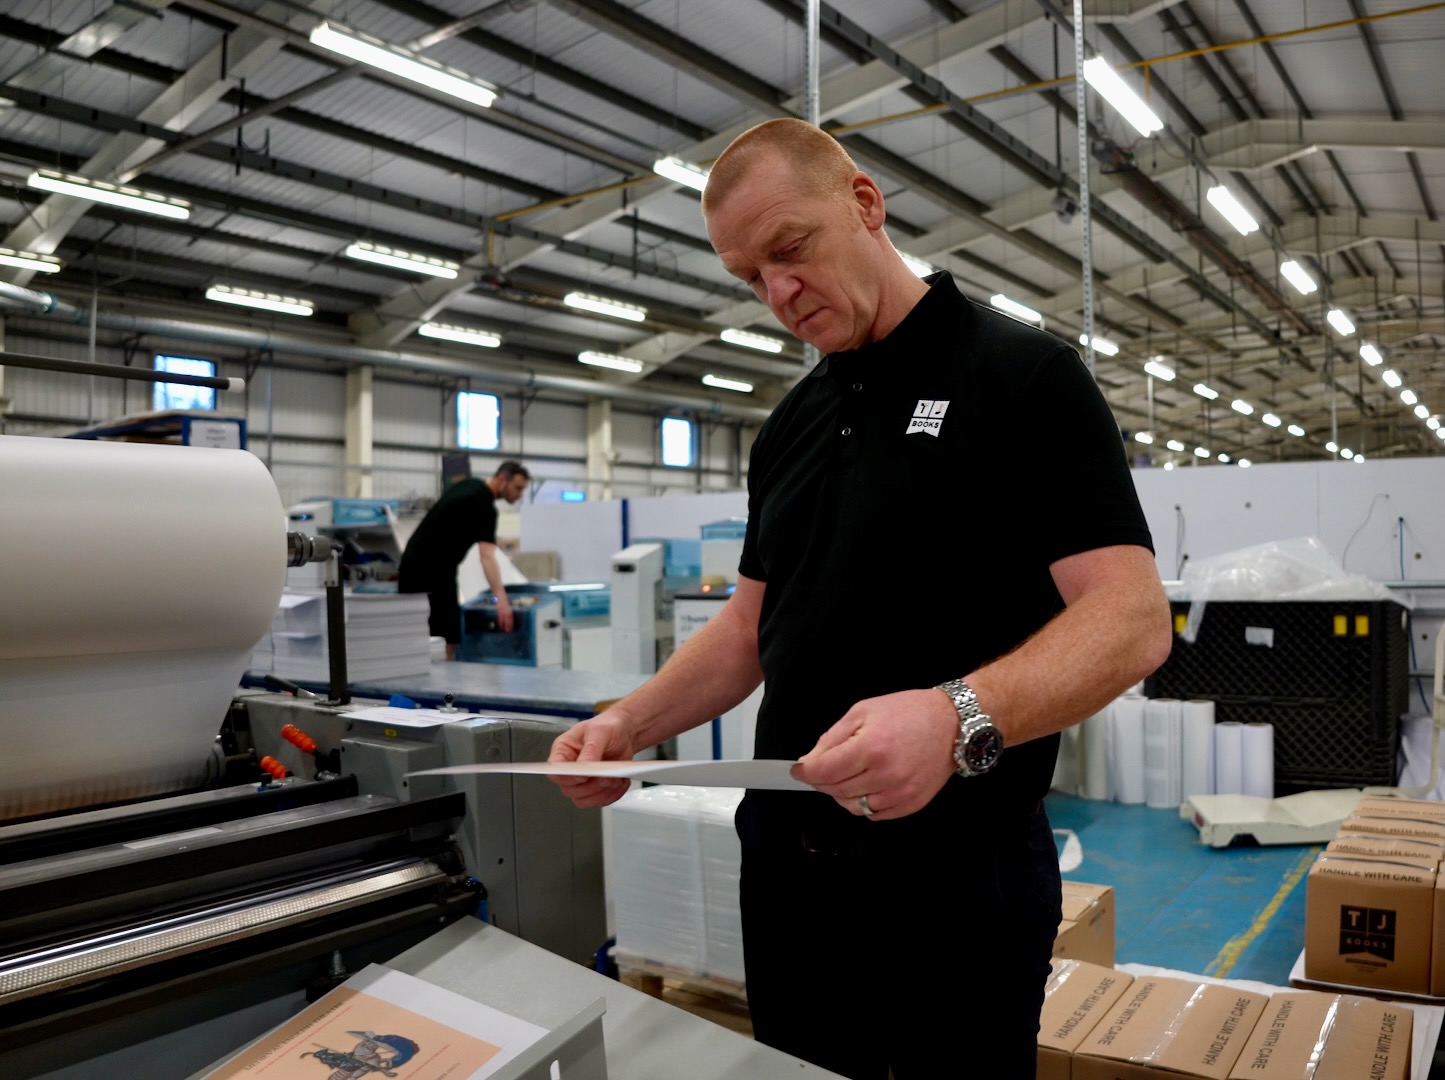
(466, 514)
(925, 708)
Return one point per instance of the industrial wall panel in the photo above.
(304, 403)
(69, 398)
(408, 413)
(405, 474)
(303, 470)
(546, 427)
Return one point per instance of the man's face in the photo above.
(514, 488)
(811, 259)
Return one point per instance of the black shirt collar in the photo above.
(914, 332)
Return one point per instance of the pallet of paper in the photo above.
(673, 869)
(386, 637)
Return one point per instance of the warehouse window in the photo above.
(179, 395)
(479, 421)
(677, 442)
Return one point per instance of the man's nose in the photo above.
(782, 286)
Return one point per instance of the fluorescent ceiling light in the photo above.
(1440, 432)
(917, 265)
(1433, 423)
(1332, 447)
(1223, 457)
(1371, 355)
(1239, 405)
(1346, 453)
(1159, 370)
(1168, 465)
(1244, 463)
(1175, 445)
(1297, 276)
(1205, 391)
(1117, 93)
(1359, 458)
(727, 384)
(1201, 452)
(681, 172)
(608, 360)
(29, 260)
(1272, 420)
(1014, 308)
(748, 340)
(1223, 200)
(1143, 437)
(603, 306)
(129, 198)
(403, 62)
(460, 334)
(289, 305)
(1422, 411)
(1408, 396)
(1340, 321)
(402, 260)
(1297, 431)
(1392, 379)
(1108, 348)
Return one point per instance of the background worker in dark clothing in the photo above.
(902, 917)
(466, 514)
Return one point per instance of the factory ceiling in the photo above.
(1325, 119)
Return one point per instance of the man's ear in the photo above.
(868, 198)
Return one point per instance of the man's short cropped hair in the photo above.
(508, 469)
(819, 161)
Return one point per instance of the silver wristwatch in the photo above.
(979, 743)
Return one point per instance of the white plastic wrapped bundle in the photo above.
(656, 877)
(1163, 758)
(722, 856)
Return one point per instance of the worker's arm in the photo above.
(714, 670)
(898, 749)
(488, 554)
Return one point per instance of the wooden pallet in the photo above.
(723, 1001)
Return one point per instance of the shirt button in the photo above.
(857, 386)
(847, 431)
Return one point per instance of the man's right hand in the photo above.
(603, 738)
(505, 619)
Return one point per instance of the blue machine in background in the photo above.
(535, 639)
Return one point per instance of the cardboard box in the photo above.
(1087, 930)
(1378, 846)
(1409, 828)
(1165, 1029)
(1327, 1037)
(1078, 994)
(1437, 947)
(1369, 922)
(1415, 809)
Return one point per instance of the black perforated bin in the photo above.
(1333, 680)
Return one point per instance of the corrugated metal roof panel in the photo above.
(174, 39)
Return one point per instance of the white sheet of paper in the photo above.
(390, 714)
(765, 775)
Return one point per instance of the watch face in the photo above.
(983, 749)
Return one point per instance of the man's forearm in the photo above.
(493, 574)
(1085, 657)
(713, 671)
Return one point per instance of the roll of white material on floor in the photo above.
(1228, 758)
(1162, 760)
(1198, 742)
(1257, 756)
(1095, 737)
(135, 580)
(1128, 771)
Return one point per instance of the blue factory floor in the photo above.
(1234, 912)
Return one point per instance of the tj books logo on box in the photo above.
(1367, 930)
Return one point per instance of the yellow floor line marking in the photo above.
(1228, 956)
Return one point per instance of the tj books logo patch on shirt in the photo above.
(927, 417)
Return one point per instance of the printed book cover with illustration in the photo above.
(384, 1023)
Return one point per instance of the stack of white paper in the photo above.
(386, 637)
(674, 871)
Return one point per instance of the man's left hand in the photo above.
(896, 749)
